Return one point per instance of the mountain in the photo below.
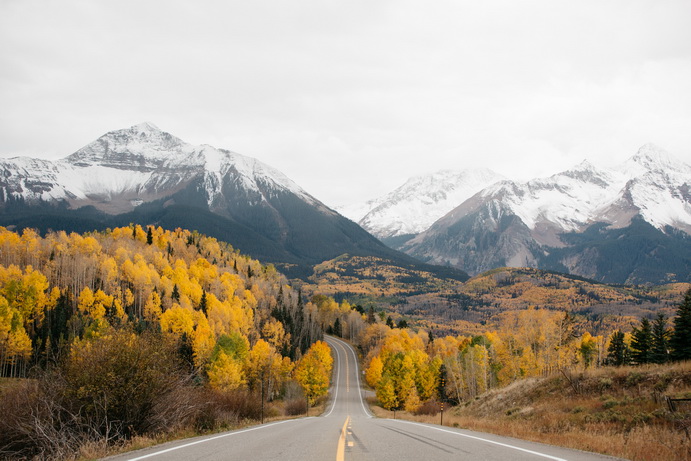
(628, 224)
(147, 176)
(414, 206)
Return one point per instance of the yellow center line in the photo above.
(340, 451)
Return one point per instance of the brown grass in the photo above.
(617, 411)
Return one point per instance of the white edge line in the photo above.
(481, 439)
(338, 376)
(214, 438)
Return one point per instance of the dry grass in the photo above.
(617, 411)
(274, 411)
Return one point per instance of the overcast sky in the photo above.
(350, 98)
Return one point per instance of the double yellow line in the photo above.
(340, 451)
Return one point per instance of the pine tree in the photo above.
(641, 343)
(337, 330)
(175, 295)
(659, 352)
(203, 302)
(149, 236)
(618, 351)
(370, 315)
(680, 341)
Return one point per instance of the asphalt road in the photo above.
(348, 431)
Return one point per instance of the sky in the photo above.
(351, 98)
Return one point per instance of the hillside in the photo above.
(464, 306)
(620, 412)
(146, 176)
(137, 332)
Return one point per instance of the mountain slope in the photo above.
(414, 206)
(144, 175)
(642, 208)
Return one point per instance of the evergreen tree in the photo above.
(149, 236)
(175, 295)
(370, 315)
(389, 322)
(680, 341)
(641, 342)
(203, 302)
(659, 352)
(618, 351)
(337, 330)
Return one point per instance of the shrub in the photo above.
(296, 407)
(116, 381)
(430, 407)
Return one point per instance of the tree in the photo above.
(314, 371)
(618, 352)
(660, 340)
(386, 393)
(641, 342)
(680, 341)
(587, 349)
(374, 372)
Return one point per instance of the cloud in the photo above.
(351, 98)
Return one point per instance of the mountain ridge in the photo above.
(525, 223)
(144, 175)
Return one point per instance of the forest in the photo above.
(139, 331)
(110, 335)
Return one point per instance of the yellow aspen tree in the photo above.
(203, 341)
(177, 320)
(274, 333)
(386, 393)
(152, 308)
(312, 377)
(226, 373)
(373, 374)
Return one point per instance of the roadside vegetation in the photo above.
(114, 338)
(536, 374)
(617, 411)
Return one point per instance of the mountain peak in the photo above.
(652, 157)
(145, 127)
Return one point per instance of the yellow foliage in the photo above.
(177, 320)
(226, 373)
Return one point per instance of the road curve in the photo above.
(348, 431)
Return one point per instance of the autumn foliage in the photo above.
(133, 322)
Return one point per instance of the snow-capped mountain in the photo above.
(144, 175)
(535, 223)
(414, 206)
(125, 168)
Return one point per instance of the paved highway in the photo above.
(348, 431)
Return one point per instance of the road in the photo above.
(348, 431)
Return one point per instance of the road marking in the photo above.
(168, 450)
(340, 450)
(338, 375)
(357, 372)
(536, 453)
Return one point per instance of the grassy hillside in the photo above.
(620, 412)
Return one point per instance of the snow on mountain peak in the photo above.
(143, 161)
(421, 200)
(652, 157)
(145, 127)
